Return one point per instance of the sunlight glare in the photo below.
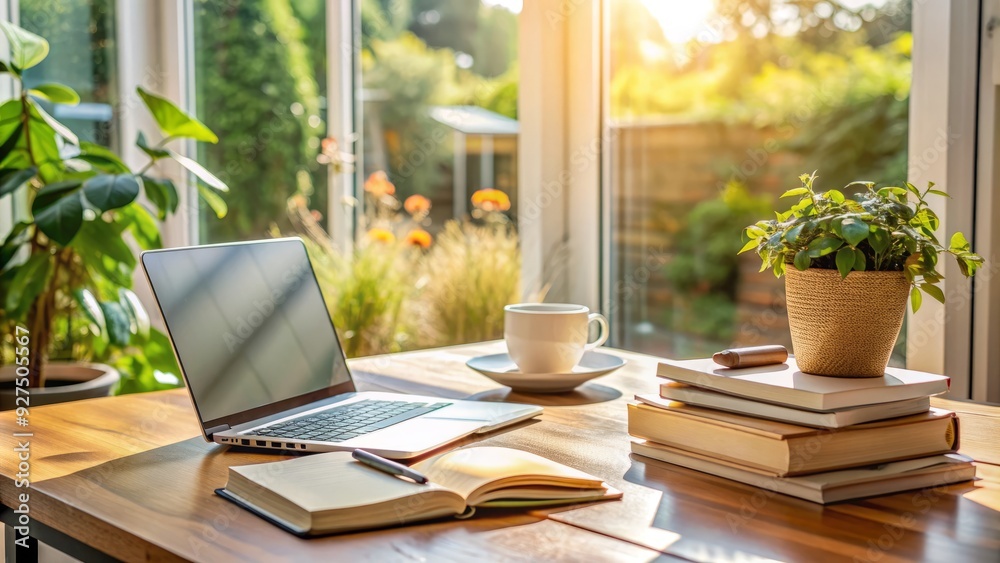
(514, 6)
(682, 20)
(855, 5)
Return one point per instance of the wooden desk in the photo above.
(130, 476)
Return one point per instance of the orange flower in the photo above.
(489, 199)
(419, 237)
(392, 141)
(417, 204)
(328, 146)
(378, 184)
(381, 235)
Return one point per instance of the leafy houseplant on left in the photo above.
(66, 273)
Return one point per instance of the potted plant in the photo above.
(849, 265)
(66, 271)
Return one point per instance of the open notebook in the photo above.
(332, 492)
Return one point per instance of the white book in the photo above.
(784, 384)
(672, 391)
(831, 486)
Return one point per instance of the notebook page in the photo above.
(330, 481)
(466, 470)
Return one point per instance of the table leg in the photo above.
(43, 534)
(25, 552)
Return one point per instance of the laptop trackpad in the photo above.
(417, 435)
(486, 413)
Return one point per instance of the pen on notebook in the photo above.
(388, 466)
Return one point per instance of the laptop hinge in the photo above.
(210, 431)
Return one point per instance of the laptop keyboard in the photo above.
(349, 421)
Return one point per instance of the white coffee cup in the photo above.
(550, 337)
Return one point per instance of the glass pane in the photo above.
(260, 84)
(436, 255)
(82, 55)
(440, 99)
(716, 107)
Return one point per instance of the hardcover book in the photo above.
(788, 449)
(673, 391)
(832, 486)
(784, 384)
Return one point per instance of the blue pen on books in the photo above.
(389, 466)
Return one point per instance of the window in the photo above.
(259, 72)
(715, 108)
(435, 121)
(985, 384)
(84, 56)
(439, 99)
(697, 139)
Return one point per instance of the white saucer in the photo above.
(503, 370)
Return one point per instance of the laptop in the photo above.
(261, 359)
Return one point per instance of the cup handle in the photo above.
(605, 331)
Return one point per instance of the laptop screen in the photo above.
(248, 323)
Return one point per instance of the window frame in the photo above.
(942, 148)
(343, 28)
(158, 62)
(560, 150)
(11, 208)
(986, 304)
(952, 339)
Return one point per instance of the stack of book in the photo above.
(823, 439)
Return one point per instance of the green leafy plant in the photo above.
(882, 229)
(66, 272)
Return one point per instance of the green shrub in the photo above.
(472, 272)
(396, 292)
(251, 69)
(704, 272)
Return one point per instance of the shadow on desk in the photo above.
(933, 524)
(690, 514)
(586, 394)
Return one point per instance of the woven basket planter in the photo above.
(844, 328)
